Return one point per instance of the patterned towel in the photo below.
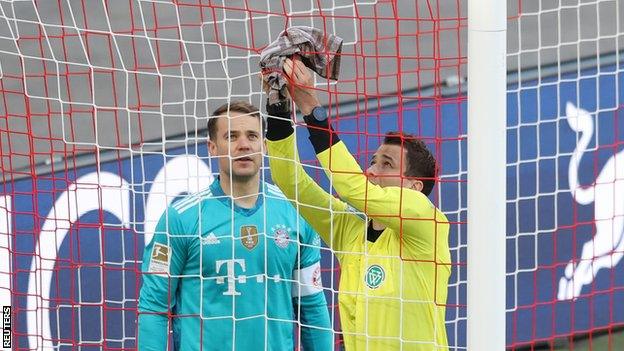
(318, 52)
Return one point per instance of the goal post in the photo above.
(487, 174)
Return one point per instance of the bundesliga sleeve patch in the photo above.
(159, 262)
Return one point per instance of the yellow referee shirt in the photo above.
(392, 292)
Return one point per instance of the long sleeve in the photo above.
(316, 330)
(163, 261)
(308, 297)
(406, 211)
(330, 217)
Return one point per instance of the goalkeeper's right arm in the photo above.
(163, 260)
(329, 216)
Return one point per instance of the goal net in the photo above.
(565, 175)
(103, 108)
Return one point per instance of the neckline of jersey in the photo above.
(218, 193)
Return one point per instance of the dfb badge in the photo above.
(375, 276)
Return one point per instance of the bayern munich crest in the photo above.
(280, 233)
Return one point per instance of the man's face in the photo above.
(387, 165)
(238, 145)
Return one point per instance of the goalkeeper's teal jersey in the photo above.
(231, 278)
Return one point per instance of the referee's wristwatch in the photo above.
(318, 116)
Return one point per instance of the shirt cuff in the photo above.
(322, 136)
(281, 127)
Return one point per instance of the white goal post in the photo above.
(487, 160)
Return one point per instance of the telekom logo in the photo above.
(231, 280)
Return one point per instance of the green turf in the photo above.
(604, 342)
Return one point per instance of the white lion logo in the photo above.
(606, 248)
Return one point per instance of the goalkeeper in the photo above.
(230, 266)
(395, 266)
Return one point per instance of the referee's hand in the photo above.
(301, 85)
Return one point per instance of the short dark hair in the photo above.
(233, 106)
(420, 161)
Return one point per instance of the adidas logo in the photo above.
(211, 239)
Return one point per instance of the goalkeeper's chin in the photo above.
(244, 170)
